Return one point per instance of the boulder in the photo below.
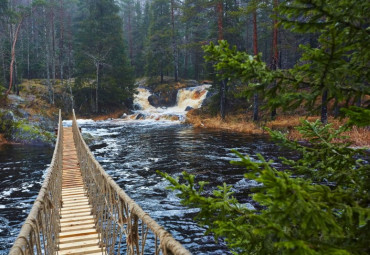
(26, 133)
(9, 116)
(140, 116)
(191, 83)
(188, 108)
(163, 99)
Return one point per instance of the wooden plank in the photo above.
(77, 233)
(79, 238)
(74, 193)
(79, 244)
(70, 189)
(72, 197)
(75, 200)
(76, 223)
(78, 227)
(77, 207)
(74, 215)
(66, 212)
(80, 251)
(77, 218)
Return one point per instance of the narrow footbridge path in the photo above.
(77, 233)
(81, 210)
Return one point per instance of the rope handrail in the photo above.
(118, 218)
(40, 231)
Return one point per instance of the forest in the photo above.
(89, 52)
(297, 70)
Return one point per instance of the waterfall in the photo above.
(191, 97)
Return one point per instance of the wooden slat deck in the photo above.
(78, 233)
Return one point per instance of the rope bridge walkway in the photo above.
(81, 210)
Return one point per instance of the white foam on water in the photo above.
(192, 97)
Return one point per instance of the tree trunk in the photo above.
(174, 45)
(275, 53)
(221, 37)
(11, 68)
(16, 87)
(220, 13)
(130, 34)
(3, 64)
(223, 99)
(97, 87)
(324, 107)
(28, 56)
(61, 42)
(53, 48)
(358, 101)
(255, 51)
(47, 58)
(186, 58)
(255, 107)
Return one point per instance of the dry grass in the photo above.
(360, 137)
(3, 139)
(232, 123)
(112, 115)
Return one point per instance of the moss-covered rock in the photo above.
(22, 131)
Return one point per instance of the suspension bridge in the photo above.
(81, 210)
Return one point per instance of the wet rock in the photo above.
(24, 114)
(8, 116)
(209, 98)
(44, 122)
(15, 100)
(140, 116)
(188, 108)
(191, 83)
(90, 139)
(25, 133)
(164, 98)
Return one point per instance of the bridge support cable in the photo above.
(40, 232)
(122, 224)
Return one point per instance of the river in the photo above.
(131, 152)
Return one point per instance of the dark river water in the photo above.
(131, 152)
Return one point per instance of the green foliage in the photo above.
(159, 39)
(238, 65)
(358, 116)
(340, 64)
(318, 205)
(337, 68)
(100, 44)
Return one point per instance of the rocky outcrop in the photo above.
(18, 129)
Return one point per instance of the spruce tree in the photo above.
(100, 54)
(338, 68)
(158, 51)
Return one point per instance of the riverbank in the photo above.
(28, 118)
(359, 137)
